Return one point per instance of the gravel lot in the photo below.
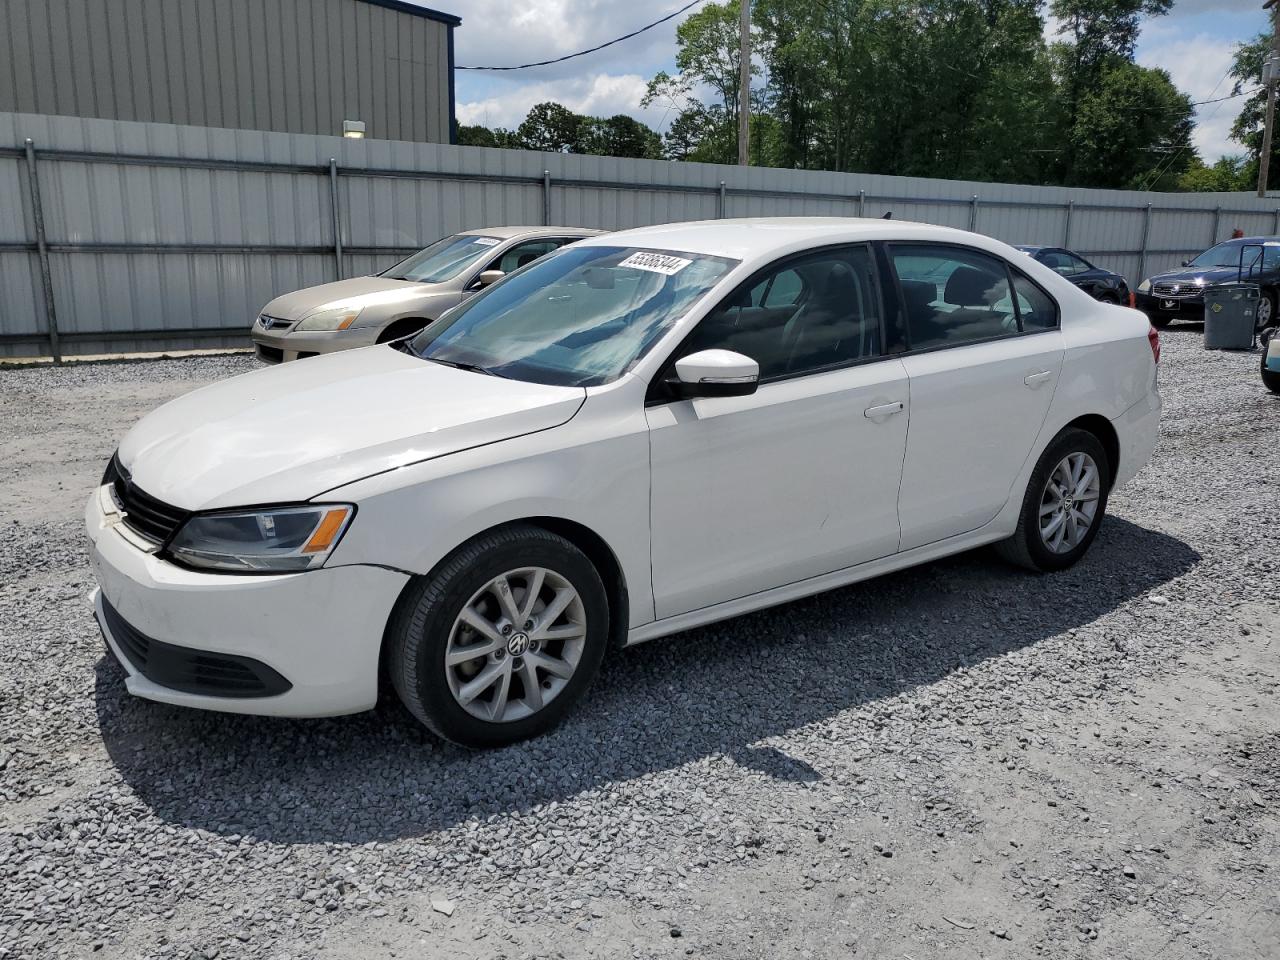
(960, 761)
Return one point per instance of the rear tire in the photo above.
(534, 656)
(1061, 509)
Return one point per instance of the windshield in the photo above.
(1227, 255)
(443, 260)
(580, 317)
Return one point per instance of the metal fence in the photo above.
(119, 235)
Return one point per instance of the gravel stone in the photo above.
(739, 776)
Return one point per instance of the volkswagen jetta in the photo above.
(638, 434)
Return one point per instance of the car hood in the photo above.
(356, 293)
(291, 432)
(1207, 275)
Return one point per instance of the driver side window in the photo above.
(522, 254)
(815, 313)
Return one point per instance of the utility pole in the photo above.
(1269, 78)
(744, 83)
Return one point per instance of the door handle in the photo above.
(1035, 379)
(883, 410)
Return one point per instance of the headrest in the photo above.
(525, 258)
(968, 286)
(837, 282)
(918, 295)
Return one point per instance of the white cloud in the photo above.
(498, 33)
(1197, 66)
(600, 95)
(1194, 7)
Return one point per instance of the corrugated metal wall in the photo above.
(190, 230)
(294, 66)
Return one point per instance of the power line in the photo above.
(583, 53)
(1163, 168)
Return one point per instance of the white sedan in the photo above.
(641, 433)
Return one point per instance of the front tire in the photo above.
(503, 638)
(1064, 505)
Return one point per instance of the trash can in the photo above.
(1230, 311)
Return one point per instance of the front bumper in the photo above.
(1171, 308)
(320, 630)
(278, 347)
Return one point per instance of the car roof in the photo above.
(506, 233)
(1028, 248)
(749, 238)
(1240, 241)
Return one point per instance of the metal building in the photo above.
(292, 66)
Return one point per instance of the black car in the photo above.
(1098, 283)
(1179, 294)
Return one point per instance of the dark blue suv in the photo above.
(1179, 294)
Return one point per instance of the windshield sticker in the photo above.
(656, 263)
(486, 241)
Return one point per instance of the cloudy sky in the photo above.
(1194, 43)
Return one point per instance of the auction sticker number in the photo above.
(656, 263)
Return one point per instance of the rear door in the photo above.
(984, 352)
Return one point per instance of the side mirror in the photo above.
(1186, 263)
(715, 373)
(488, 277)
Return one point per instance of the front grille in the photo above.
(1167, 289)
(273, 323)
(146, 516)
(189, 670)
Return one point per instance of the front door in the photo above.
(801, 478)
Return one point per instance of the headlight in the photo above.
(1144, 286)
(338, 319)
(279, 540)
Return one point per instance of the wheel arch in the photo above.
(1103, 429)
(595, 547)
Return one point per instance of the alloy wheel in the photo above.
(515, 644)
(1069, 503)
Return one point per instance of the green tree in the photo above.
(481, 136)
(1228, 174)
(1133, 131)
(707, 57)
(1101, 35)
(552, 127)
(1246, 72)
(620, 136)
(1101, 30)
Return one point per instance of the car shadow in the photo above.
(714, 691)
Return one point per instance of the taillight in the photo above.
(1153, 338)
(1133, 299)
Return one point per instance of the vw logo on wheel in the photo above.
(518, 644)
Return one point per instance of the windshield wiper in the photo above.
(469, 367)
